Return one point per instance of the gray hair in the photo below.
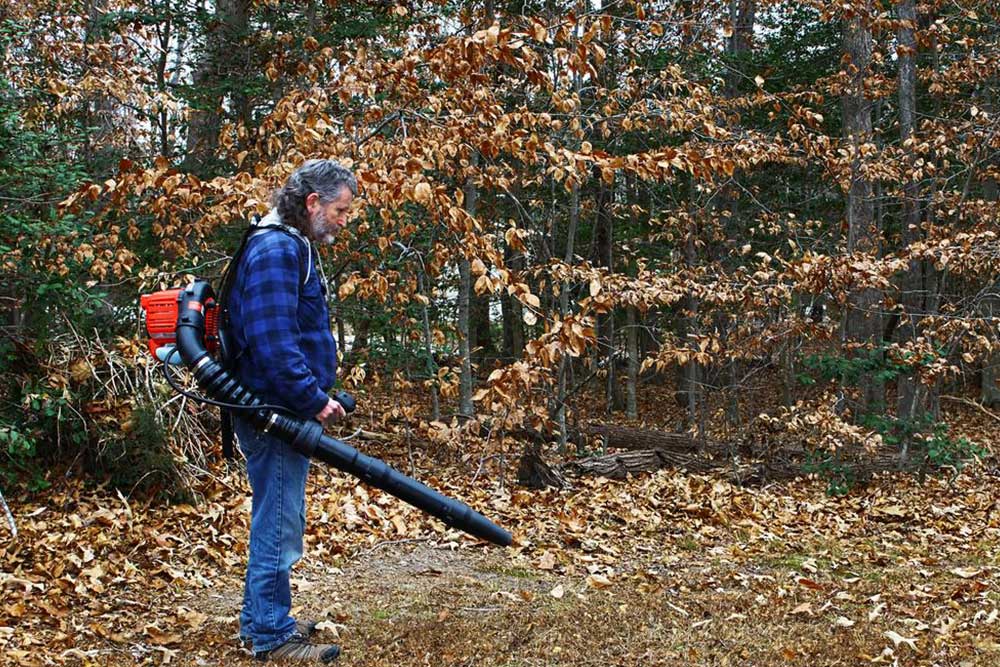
(324, 177)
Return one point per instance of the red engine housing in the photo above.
(161, 320)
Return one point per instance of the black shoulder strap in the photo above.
(227, 345)
(229, 273)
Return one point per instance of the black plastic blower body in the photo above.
(306, 436)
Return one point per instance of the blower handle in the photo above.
(346, 401)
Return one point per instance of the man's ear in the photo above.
(311, 200)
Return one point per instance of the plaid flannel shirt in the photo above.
(286, 351)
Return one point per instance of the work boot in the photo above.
(304, 628)
(300, 649)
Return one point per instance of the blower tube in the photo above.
(306, 436)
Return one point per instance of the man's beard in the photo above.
(319, 231)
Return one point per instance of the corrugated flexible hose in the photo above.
(306, 436)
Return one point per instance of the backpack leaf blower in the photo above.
(195, 334)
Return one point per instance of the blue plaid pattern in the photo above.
(286, 351)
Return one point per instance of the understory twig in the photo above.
(10, 517)
(387, 543)
(978, 406)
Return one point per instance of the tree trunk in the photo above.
(862, 326)
(534, 473)
(690, 374)
(359, 346)
(741, 16)
(913, 399)
(204, 120)
(789, 384)
(163, 35)
(101, 112)
(620, 466)
(632, 383)
(574, 219)
(466, 408)
(224, 46)
(988, 390)
(510, 308)
(632, 313)
(338, 317)
(989, 393)
(480, 334)
(603, 257)
(430, 366)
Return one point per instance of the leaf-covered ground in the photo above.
(668, 569)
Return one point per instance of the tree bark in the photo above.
(430, 365)
(632, 313)
(604, 257)
(510, 308)
(480, 333)
(574, 219)
(466, 407)
(534, 473)
(862, 326)
(101, 112)
(164, 35)
(912, 398)
(690, 373)
(338, 317)
(362, 331)
(741, 16)
(989, 393)
(224, 43)
(628, 437)
(632, 343)
(573, 223)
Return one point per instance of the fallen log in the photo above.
(628, 437)
(647, 450)
(533, 472)
(620, 465)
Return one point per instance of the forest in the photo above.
(698, 299)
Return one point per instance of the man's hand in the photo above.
(331, 413)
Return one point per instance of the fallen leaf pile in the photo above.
(897, 571)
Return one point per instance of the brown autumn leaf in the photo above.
(898, 639)
(891, 510)
(399, 523)
(547, 561)
(966, 572)
(804, 609)
(598, 581)
(422, 193)
(192, 618)
(161, 637)
(809, 583)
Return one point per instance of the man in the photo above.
(285, 353)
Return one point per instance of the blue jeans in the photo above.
(277, 476)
